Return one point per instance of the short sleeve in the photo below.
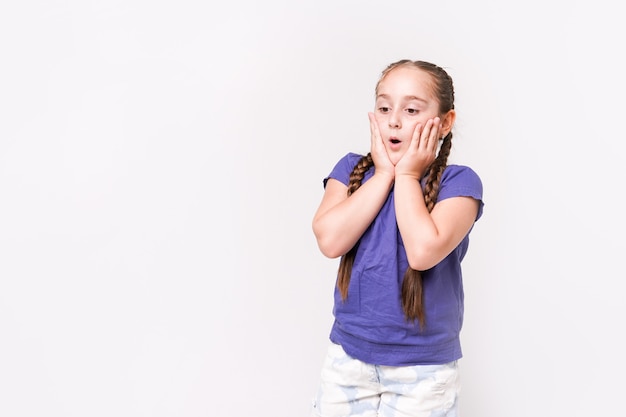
(342, 170)
(461, 181)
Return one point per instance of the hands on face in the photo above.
(379, 153)
(419, 155)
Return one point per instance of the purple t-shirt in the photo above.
(370, 324)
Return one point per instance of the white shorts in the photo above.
(353, 388)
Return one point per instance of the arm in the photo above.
(430, 237)
(341, 220)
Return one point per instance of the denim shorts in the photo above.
(353, 388)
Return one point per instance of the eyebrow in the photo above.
(386, 96)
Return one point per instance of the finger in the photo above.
(430, 135)
(376, 145)
(373, 126)
(426, 134)
(415, 138)
(433, 140)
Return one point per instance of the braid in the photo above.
(412, 288)
(431, 189)
(359, 172)
(347, 260)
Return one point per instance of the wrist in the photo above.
(409, 176)
(384, 176)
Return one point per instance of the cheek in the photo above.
(383, 126)
(411, 123)
(421, 119)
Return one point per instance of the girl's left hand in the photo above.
(422, 149)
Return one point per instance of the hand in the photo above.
(422, 149)
(382, 163)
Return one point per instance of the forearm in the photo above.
(338, 228)
(417, 228)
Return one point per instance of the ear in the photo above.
(447, 121)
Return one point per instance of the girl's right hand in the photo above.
(382, 163)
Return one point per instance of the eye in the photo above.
(412, 111)
(383, 109)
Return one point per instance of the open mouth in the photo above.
(394, 140)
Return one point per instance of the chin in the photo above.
(395, 159)
(395, 156)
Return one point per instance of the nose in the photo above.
(394, 120)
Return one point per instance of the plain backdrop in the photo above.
(161, 161)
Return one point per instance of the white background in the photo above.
(161, 161)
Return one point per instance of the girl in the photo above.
(399, 218)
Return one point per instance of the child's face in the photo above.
(404, 99)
